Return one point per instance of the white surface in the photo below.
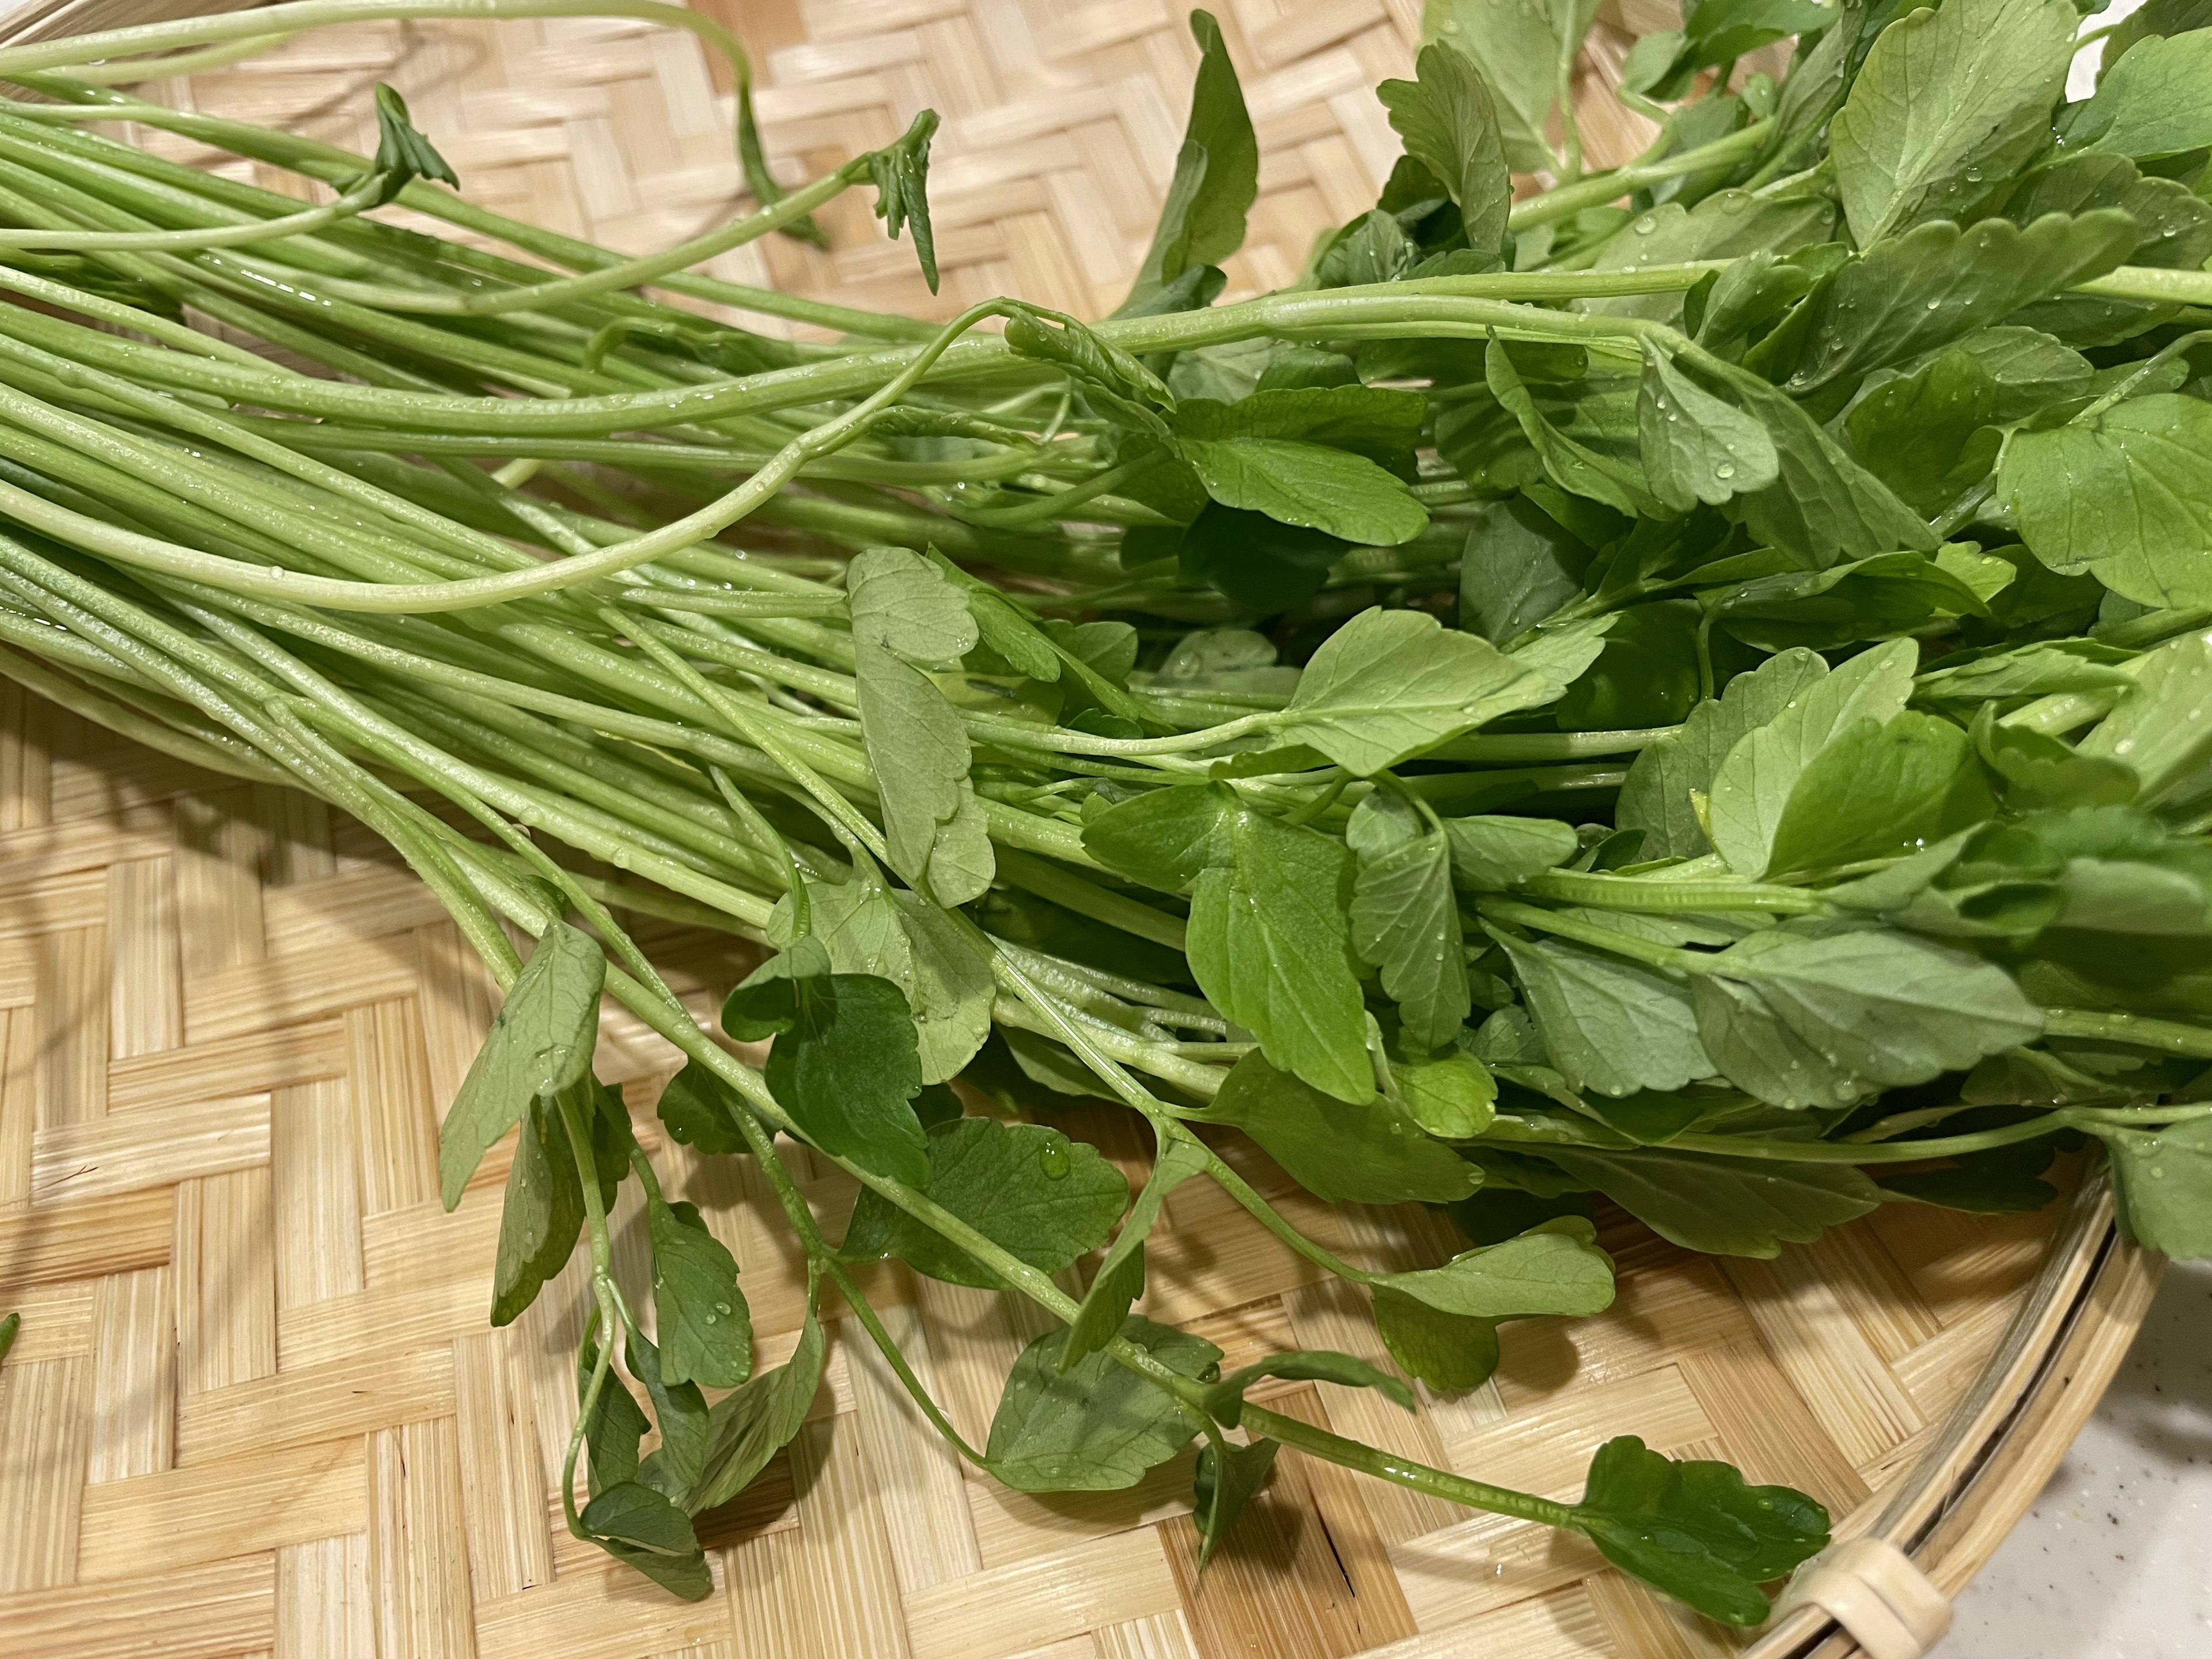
(2115, 1560)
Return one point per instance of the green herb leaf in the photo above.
(1331, 490)
(1043, 1198)
(1365, 1151)
(906, 617)
(542, 1215)
(866, 927)
(1724, 1205)
(1657, 797)
(1696, 447)
(1449, 124)
(1609, 1025)
(1618, 481)
(2126, 497)
(2165, 1182)
(1217, 177)
(1519, 568)
(1555, 1268)
(1094, 1427)
(1224, 1400)
(1924, 288)
(1877, 791)
(679, 1412)
(844, 1066)
(2161, 728)
(1694, 1529)
(1814, 1015)
(633, 1513)
(1452, 1096)
(1491, 854)
(2150, 103)
(1120, 1279)
(540, 1042)
(615, 1424)
(1268, 940)
(705, 1327)
(1405, 922)
(1223, 1485)
(1947, 106)
(746, 1429)
(1524, 52)
(1389, 684)
(1443, 1350)
(1752, 786)
(1824, 506)
(699, 1110)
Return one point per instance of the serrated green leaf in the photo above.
(746, 1429)
(1752, 786)
(1878, 790)
(1656, 797)
(1492, 853)
(1696, 447)
(705, 1327)
(1405, 923)
(1452, 1097)
(1609, 1025)
(1443, 1350)
(1824, 506)
(867, 927)
(1389, 684)
(1554, 1268)
(542, 1215)
(1308, 485)
(540, 1042)
(844, 1063)
(633, 1513)
(699, 1110)
(1724, 1205)
(1817, 1016)
(1043, 1198)
(1268, 940)
(615, 1424)
(1522, 51)
(1450, 123)
(1947, 106)
(2126, 497)
(2150, 104)
(1095, 1427)
(2165, 1182)
(1365, 1151)
(2161, 728)
(1695, 1530)
(1922, 289)
(907, 617)
(1217, 177)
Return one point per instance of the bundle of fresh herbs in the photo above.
(1690, 685)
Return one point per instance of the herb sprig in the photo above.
(1804, 810)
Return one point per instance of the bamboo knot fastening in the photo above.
(1873, 1590)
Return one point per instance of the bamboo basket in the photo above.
(256, 1408)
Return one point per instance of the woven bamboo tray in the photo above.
(256, 1408)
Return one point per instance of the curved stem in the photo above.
(2170, 1037)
